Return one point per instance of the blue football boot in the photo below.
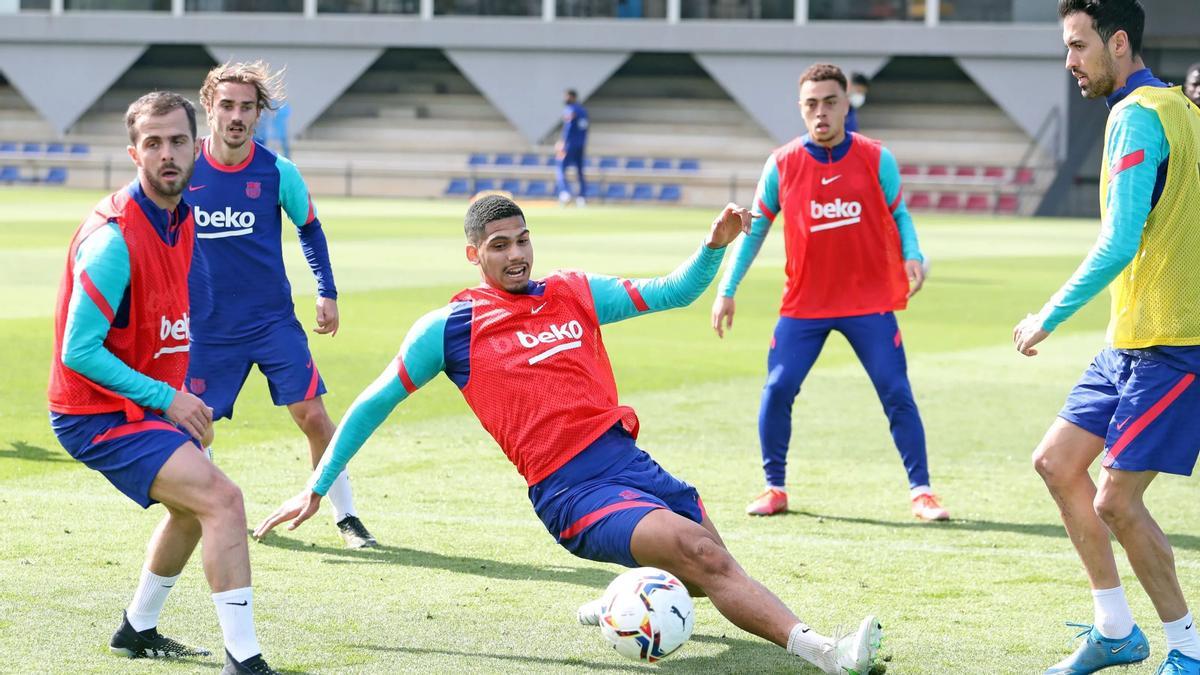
(1099, 652)
(1178, 663)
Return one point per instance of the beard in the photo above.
(171, 189)
(1102, 83)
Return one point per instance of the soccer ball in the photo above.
(646, 614)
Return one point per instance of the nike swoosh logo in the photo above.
(239, 604)
(1123, 423)
(1117, 649)
(193, 188)
(538, 308)
(1189, 627)
(827, 181)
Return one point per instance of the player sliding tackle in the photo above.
(510, 339)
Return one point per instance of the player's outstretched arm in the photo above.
(617, 299)
(420, 359)
(1137, 147)
(893, 192)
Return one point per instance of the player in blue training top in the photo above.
(570, 148)
(242, 311)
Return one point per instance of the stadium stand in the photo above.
(662, 132)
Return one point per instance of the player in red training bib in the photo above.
(851, 252)
(530, 361)
(117, 402)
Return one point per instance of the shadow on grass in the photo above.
(741, 656)
(483, 567)
(1185, 541)
(33, 453)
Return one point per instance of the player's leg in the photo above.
(579, 164)
(292, 376)
(690, 551)
(877, 342)
(1062, 459)
(1155, 429)
(560, 179)
(189, 483)
(795, 346)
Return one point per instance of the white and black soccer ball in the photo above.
(646, 614)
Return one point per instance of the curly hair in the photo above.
(819, 72)
(485, 210)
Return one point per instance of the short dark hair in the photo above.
(819, 72)
(1110, 16)
(154, 104)
(860, 79)
(572, 93)
(487, 209)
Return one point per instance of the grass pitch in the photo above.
(468, 580)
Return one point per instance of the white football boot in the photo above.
(854, 654)
(589, 613)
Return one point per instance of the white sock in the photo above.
(235, 610)
(148, 599)
(780, 488)
(1181, 635)
(341, 497)
(1114, 619)
(811, 646)
(919, 490)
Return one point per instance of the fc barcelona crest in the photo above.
(197, 386)
(253, 189)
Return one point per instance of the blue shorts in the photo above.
(592, 504)
(129, 454)
(1147, 412)
(217, 372)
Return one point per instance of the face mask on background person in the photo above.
(857, 100)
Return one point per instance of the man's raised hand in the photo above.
(732, 221)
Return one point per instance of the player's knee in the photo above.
(707, 557)
(226, 503)
(1050, 465)
(1113, 508)
(312, 419)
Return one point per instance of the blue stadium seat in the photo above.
(616, 192)
(551, 160)
(530, 159)
(609, 163)
(32, 148)
(661, 164)
(10, 174)
(503, 159)
(55, 148)
(79, 149)
(56, 176)
(689, 165)
(511, 186)
(484, 184)
(635, 163)
(8, 146)
(477, 159)
(670, 193)
(592, 191)
(459, 187)
(537, 189)
(643, 192)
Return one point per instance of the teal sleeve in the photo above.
(618, 299)
(1137, 146)
(764, 210)
(293, 194)
(889, 180)
(102, 276)
(420, 359)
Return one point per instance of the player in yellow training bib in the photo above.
(1139, 402)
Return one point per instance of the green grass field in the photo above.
(468, 580)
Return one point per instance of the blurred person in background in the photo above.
(570, 148)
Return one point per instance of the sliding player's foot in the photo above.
(589, 613)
